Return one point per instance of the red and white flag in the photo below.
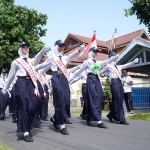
(91, 44)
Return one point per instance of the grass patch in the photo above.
(79, 111)
(4, 147)
(140, 116)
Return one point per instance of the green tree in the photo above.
(107, 90)
(18, 24)
(140, 8)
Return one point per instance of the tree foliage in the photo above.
(18, 24)
(140, 8)
(107, 89)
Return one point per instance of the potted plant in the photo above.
(107, 95)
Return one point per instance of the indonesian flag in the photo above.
(91, 44)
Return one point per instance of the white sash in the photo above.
(91, 63)
(115, 70)
(40, 80)
(30, 71)
(3, 83)
(45, 80)
(62, 67)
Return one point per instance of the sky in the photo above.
(82, 17)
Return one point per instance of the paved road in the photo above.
(82, 137)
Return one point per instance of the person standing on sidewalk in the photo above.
(127, 85)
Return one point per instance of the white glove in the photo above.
(82, 47)
(117, 56)
(136, 60)
(46, 49)
(3, 92)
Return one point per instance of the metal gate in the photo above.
(141, 95)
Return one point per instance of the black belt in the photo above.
(114, 79)
(83, 83)
(58, 72)
(92, 74)
(25, 77)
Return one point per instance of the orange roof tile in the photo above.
(86, 40)
(125, 39)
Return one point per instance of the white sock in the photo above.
(62, 126)
(99, 122)
(26, 133)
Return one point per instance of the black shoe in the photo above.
(54, 124)
(81, 115)
(89, 122)
(30, 134)
(84, 117)
(68, 122)
(27, 138)
(124, 122)
(110, 119)
(3, 119)
(101, 125)
(38, 126)
(64, 131)
(44, 119)
(15, 121)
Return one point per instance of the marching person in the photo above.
(4, 99)
(94, 88)
(48, 89)
(127, 85)
(83, 78)
(116, 114)
(61, 91)
(14, 102)
(36, 119)
(26, 89)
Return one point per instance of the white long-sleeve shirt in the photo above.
(82, 77)
(112, 74)
(87, 66)
(18, 70)
(49, 63)
(1, 81)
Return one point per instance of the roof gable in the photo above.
(130, 52)
(125, 39)
(83, 39)
(121, 41)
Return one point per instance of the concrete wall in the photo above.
(141, 82)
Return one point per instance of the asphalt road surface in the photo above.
(136, 136)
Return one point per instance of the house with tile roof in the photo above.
(73, 41)
(129, 46)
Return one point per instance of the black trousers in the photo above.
(44, 108)
(128, 101)
(94, 97)
(2, 105)
(84, 94)
(14, 104)
(27, 104)
(36, 119)
(117, 112)
(61, 98)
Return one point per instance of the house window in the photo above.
(74, 42)
(141, 57)
(147, 56)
